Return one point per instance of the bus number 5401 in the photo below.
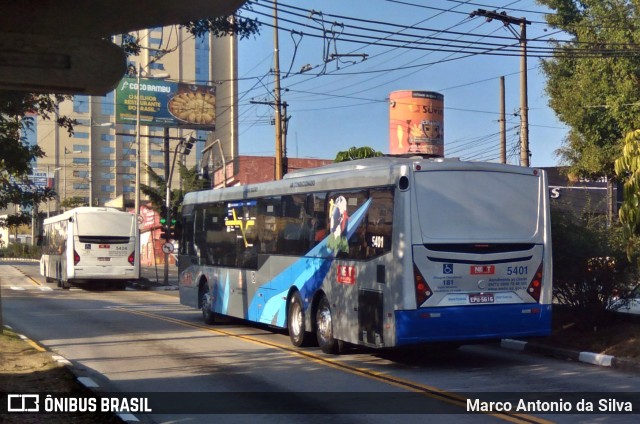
(517, 270)
(377, 242)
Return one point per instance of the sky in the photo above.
(389, 45)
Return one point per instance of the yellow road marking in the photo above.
(29, 277)
(430, 391)
(31, 343)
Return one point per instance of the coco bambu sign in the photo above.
(166, 104)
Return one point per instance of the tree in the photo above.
(357, 153)
(16, 156)
(590, 268)
(219, 26)
(627, 168)
(73, 202)
(592, 81)
(157, 193)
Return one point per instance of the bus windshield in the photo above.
(494, 206)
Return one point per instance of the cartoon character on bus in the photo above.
(338, 225)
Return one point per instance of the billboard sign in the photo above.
(416, 123)
(166, 104)
(40, 179)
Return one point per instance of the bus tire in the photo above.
(207, 314)
(324, 328)
(295, 321)
(61, 283)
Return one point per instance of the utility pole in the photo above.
(167, 198)
(276, 70)
(524, 102)
(281, 129)
(503, 125)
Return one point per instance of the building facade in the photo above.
(97, 163)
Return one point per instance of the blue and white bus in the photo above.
(380, 252)
(89, 244)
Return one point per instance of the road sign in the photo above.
(167, 247)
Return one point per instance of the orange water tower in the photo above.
(416, 123)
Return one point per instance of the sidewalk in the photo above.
(152, 278)
(602, 360)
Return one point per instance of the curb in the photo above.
(19, 260)
(153, 287)
(591, 358)
(87, 382)
(146, 285)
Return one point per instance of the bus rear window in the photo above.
(105, 224)
(477, 206)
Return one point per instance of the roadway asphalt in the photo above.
(153, 279)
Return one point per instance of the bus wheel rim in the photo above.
(296, 319)
(324, 323)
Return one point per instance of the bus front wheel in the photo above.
(207, 304)
(324, 328)
(295, 321)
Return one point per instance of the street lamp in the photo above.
(48, 201)
(224, 162)
(64, 172)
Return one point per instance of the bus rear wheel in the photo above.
(295, 322)
(324, 328)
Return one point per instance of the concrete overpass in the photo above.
(63, 46)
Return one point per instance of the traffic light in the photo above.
(165, 233)
(174, 215)
(176, 231)
(163, 215)
(188, 144)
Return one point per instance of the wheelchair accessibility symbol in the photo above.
(447, 268)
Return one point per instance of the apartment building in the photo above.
(97, 163)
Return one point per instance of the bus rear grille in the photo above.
(104, 239)
(480, 247)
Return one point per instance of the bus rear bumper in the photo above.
(472, 323)
(104, 273)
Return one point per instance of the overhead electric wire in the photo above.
(362, 32)
(400, 53)
(281, 10)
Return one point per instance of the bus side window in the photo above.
(343, 204)
(318, 223)
(198, 232)
(218, 246)
(294, 239)
(186, 241)
(267, 224)
(379, 222)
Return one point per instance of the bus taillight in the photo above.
(423, 291)
(535, 286)
(132, 258)
(76, 258)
